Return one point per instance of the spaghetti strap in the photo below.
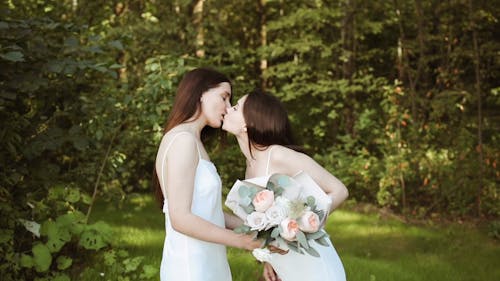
(165, 157)
(269, 160)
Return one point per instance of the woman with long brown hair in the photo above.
(190, 187)
(261, 125)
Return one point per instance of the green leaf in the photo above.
(110, 258)
(245, 201)
(132, 264)
(244, 191)
(61, 277)
(116, 44)
(91, 240)
(72, 195)
(26, 261)
(301, 237)
(323, 241)
(242, 229)
(41, 257)
(13, 56)
(276, 232)
(148, 272)
(63, 262)
(311, 251)
(315, 235)
(116, 66)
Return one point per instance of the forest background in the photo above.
(399, 99)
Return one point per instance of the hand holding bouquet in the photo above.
(286, 212)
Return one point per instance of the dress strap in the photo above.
(165, 157)
(269, 159)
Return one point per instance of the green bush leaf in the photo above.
(91, 240)
(148, 272)
(61, 277)
(13, 56)
(72, 195)
(63, 262)
(132, 264)
(26, 261)
(41, 257)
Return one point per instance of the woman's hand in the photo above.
(269, 274)
(249, 242)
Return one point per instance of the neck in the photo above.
(195, 126)
(245, 149)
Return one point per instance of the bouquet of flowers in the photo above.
(287, 212)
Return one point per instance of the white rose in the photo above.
(257, 221)
(262, 255)
(276, 214)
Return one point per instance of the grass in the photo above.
(371, 247)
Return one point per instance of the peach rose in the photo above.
(289, 228)
(309, 222)
(263, 200)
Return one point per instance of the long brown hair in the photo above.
(187, 105)
(267, 122)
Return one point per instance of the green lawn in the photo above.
(370, 247)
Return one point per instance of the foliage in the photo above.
(397, 99)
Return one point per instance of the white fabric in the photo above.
(186, 258)
(294, 266)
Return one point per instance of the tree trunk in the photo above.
(401, 41)
(476, 60)
(348, 38)
(420, 61)
(198, 23)
(263, 43)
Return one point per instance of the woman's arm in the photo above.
(291, 162)
(182, 161)
(232, 221)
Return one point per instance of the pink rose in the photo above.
(263, 200)
(289, 227)
(309, 222)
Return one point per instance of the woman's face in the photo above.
(234, 122)
(214, 104)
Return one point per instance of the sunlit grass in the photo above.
(371, 248)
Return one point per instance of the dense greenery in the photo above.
(399, 99)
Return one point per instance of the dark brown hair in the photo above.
(267, 122)
(187, 105)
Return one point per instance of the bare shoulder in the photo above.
(288, 159)
(282, 153)
(182, 145)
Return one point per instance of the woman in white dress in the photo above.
(261, 126)
(190, 188)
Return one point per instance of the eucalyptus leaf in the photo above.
(275, 233)
(311, 251)
(301, 238)
(323, 241)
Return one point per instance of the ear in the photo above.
(244, 128)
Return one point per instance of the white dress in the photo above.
(299, 267)
(186, 258)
